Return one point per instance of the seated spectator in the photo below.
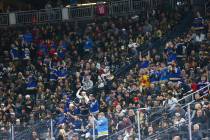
(150, 131)
(94, 105)
(176, 138)
(62, 134)
(180, 110)
(199, 118)
(171, 102)
(178, 120)
(64, 62)
(196, 134)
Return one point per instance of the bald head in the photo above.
(176, 138)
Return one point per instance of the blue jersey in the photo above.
(28, 37)
(94, 106)
(164, 74)
(14, 53)
(31, 83)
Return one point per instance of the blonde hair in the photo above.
(198, 106)
(62, 132)
(102, 114)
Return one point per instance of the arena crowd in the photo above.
(68, 72)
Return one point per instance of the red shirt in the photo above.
(194, 86)
(52, 52)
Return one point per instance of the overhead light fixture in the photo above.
(86, 4)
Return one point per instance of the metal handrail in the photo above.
(119, 132)
(4, 19)
(163, 131)
(174, 126)
(205, 93)
(193, 93)
(115, 8)
(183, 105)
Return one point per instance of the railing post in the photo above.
(110, 8)
(193, 96)
(65, 14)
(69, 12)
(94, 135)
(51, 129)
(131, 5)
(208, 80)
(139, 129)
(189, 122)
(12, 132)
(12, 18)
(172, 2)
(92, 11)
(37, 17)
(151, 4)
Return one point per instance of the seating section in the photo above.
(101, 78)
